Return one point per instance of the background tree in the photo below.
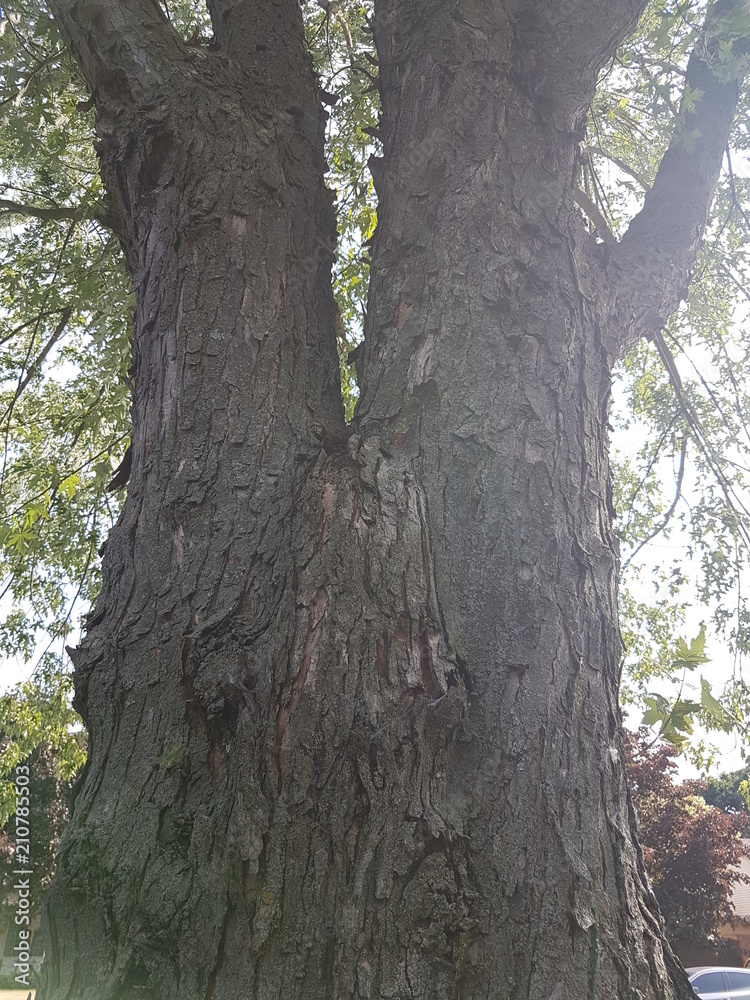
(368, 674)
(50, 804)
(36, 729)
(691, 849)
(728, 792)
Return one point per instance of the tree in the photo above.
(49, 798)
(37, 731)
(692, 850)
(351, 692)
(727, 792)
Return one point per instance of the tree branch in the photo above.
(714, 461)
(650, 269)
(672, 507)
(268, 41)
(41, 65)
(563, 45)
(592, 211)
(625, 167)
(58, 214)
(36, 365)
(333, 9)
(239, 26)
(118, 42)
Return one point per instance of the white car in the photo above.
(720, 983)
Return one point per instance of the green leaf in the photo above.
(709, 704)
(689, 657)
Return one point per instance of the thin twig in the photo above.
(35, 365)
(626, 169)
(672, 507)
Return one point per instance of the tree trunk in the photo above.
(352, 692)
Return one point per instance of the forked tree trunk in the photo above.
(352, 692)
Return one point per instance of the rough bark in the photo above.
(352, 693)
